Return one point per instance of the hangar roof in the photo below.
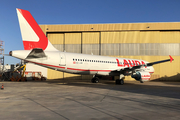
(111, 27)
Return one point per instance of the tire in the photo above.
(92, 80)
(120, 82)
(95, 80)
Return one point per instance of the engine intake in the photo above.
(141, 76)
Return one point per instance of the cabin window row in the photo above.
(100, 61)
(97, 61)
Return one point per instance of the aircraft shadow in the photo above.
(169, 80)
(149, 88)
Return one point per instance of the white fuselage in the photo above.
(83, 63)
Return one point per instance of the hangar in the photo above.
(147, 41)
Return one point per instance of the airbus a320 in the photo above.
(39, 50)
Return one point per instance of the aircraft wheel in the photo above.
(95, 80)
(119, 81)
(122, 82)
(92, 80)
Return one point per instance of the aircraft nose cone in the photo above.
(10, 53)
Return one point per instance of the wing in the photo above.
(127, 69)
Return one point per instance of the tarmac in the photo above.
(83, 100)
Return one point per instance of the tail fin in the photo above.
(32, 35)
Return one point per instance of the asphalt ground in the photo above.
(82, 100)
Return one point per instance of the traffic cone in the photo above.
(2, 87)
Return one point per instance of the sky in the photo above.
(81, 12)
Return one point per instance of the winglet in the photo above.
(171, 59)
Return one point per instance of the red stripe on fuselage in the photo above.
(73, 68)
(69, 68)
(47, 65)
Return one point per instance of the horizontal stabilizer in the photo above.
(36, 53)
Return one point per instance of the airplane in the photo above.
(39, 50)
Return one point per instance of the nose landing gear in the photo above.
(120, 81)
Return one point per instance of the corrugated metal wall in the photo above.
(147, 41)
(90, 43)
(72, 44)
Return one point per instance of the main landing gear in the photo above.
(121, 80)
(95, 79)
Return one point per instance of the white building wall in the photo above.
(36, 68)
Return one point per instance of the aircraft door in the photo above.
(62, 59)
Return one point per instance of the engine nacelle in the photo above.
(141, 76)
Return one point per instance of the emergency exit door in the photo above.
(62, 59)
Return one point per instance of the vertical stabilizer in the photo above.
(32, 35)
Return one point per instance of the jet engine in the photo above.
(141, 76)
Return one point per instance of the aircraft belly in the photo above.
(102, 73)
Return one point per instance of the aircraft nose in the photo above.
(10, 53)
